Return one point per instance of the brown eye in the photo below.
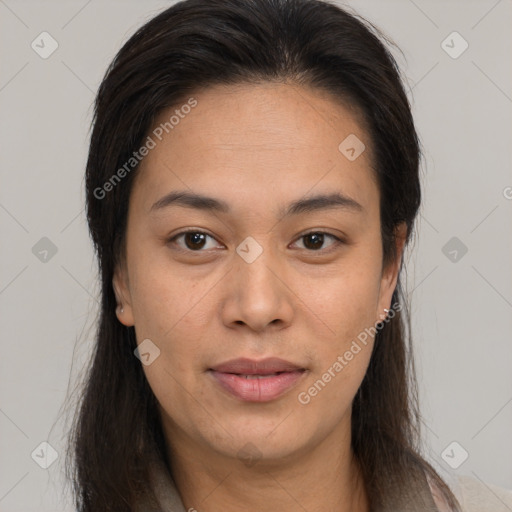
(193, 241)
(314, 240)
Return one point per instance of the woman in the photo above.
(252, 182)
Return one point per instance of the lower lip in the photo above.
(257, 389)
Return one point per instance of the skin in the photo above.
(257, 147)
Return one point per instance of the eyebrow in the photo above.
(309, 204)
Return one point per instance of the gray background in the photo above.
(461, 309)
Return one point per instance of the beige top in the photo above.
(473, 494)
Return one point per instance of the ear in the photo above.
(390, 273)
(121, 287)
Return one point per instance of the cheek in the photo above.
(163, 299)
(174, 312)
(347, 305)
(326, 400)
(341, 358)
(346, 300)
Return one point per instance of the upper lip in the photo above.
(244, 366)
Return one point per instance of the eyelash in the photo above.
(338, 241)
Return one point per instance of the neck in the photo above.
(326, 478)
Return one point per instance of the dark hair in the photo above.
(190, 46)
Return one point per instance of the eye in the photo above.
(194, 240)
(315, 239)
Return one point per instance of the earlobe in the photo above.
(390, 274)
(121, 290)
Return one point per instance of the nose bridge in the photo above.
(258, 297)
(256, 259)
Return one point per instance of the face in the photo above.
(265, 271)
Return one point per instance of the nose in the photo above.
(257, 294)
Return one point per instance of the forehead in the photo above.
(256, 144)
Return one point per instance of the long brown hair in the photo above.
(199, 43)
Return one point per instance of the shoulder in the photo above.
(163, 491)
(479, 496)
(474, 495)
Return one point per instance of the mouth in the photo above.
(248, 376)
(257, 381)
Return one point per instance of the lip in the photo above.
(270, 378)
(247, 366)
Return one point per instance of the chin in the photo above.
(263, 444)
